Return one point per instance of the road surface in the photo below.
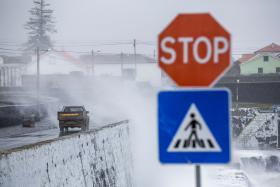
(17, 136)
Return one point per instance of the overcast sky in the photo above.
(252, 23)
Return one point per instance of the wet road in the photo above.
(29, 138)
(15, 141)
(42, 132)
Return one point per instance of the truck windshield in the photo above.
(73, 109)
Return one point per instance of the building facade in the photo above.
(263, 61)
(137, 67)
(11, 75)
(55, 62)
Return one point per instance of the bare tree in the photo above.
(40, 25)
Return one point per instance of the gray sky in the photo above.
(253, 23)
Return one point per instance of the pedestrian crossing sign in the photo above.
(194, 126)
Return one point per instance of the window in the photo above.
(260, 70)
(265, 58)
(73, 109)
(277, 69)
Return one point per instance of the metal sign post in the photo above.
(197, 176)
(194, 124)
(278, 133)
(188, 130)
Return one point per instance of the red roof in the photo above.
(246, 57)
(273, 48)
(63, 54)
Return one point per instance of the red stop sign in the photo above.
(194, 50)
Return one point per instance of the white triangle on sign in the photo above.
(193, 135)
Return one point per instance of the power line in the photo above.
(235, 51)
(11, 45)
(6, 49)
(10, 52)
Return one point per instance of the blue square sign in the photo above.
(194, 126)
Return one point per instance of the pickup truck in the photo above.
(73, 116)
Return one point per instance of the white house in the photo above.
(54, 62)
(262, 61)
(10, 73)
(138, 67)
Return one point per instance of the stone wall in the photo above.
(96, 158)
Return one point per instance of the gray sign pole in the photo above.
(278, 134)
(197, 176)
(38, 81)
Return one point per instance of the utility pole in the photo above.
(237, 92)
(122, 63)
(278, 133)
(92, 62)
(134, 47)
(38, 81)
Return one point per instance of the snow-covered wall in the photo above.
(96, 158)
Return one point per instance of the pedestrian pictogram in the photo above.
(193, 135)
(194, 126)
(194, 50)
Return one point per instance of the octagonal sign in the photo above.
(194, 50)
